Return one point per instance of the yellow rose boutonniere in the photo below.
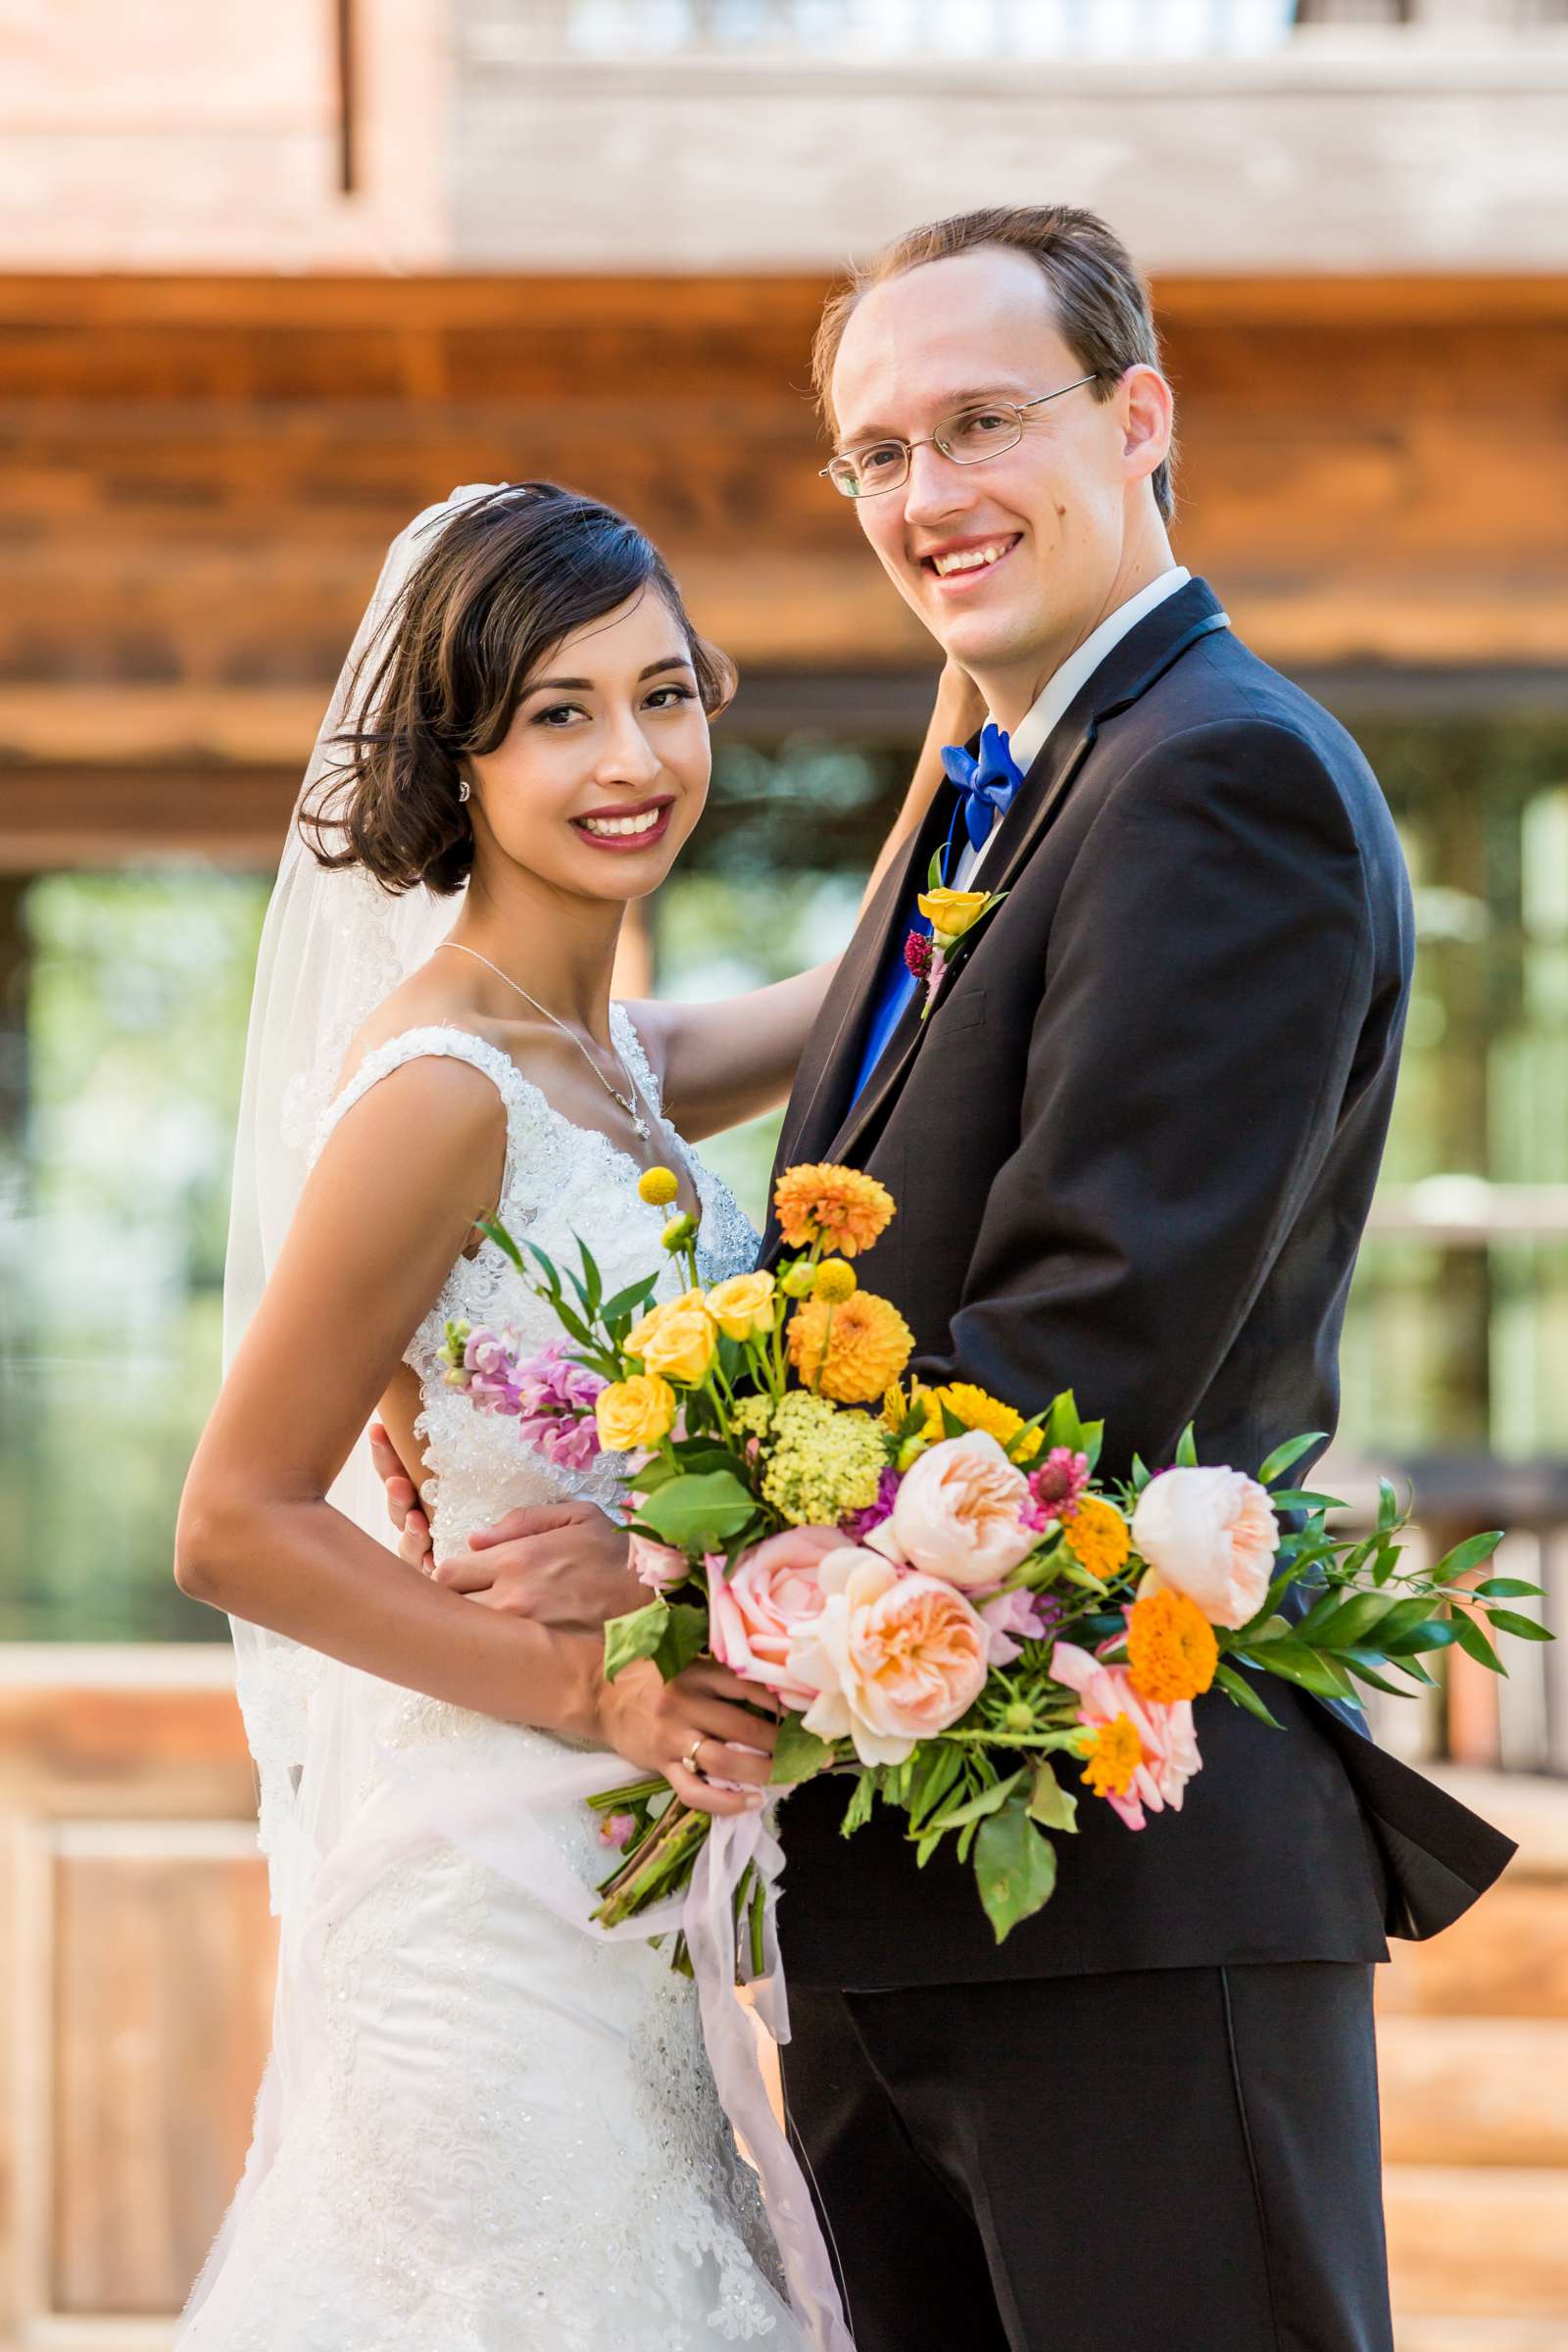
(953, 913)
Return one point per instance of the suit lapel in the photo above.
(1127, 673)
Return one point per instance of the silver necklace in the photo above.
(628, 1102)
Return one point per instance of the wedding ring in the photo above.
(689, 1759)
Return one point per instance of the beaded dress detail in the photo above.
(497, 2132)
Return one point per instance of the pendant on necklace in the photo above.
(641, 1127)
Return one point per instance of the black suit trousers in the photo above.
(1172, 2159)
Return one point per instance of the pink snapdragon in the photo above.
(555, 1399)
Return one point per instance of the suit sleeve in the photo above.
(1208, 974)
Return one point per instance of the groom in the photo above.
(1133, 1149)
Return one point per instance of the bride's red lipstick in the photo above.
(627, 842)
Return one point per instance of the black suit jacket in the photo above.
(1133, 1150)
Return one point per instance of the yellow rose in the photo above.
(642, 1332)
(683, 1347)
(742, 1306)
(953, 913)
(635, 1414)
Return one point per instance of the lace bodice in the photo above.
(561, 1183)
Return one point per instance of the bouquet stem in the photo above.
(656, 1867)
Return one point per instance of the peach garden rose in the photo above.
(1210, 1534)
(959, 1514)
(893, 1657)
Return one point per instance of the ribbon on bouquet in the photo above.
(735, 1844)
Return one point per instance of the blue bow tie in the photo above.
(987, 784)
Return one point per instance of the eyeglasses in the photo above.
(968, 438)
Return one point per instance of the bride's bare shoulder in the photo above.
(435, 996)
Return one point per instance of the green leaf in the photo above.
(952, 1426)
(496, 1233)
(630, 1638)
(933, 872)
(1365, 1664)
(1015, 1867)
(797, 1754)
(1094, 1442)
(1472, 1642)
(1427, 1633)
(1302, 1499)
(944, 1763)
(1245, 1696)
(975, 1808)
(629, 1302)
(593, 1285)
(1187, 1450)
(1294, 1662)
(1064, 1427)
(699, 1513)
(1283, 1457)
(857, 1812)
(1142, 1474)
(1509, 1621)
(1505, 1587)
(1350, 1625)
(1465, 1556)
(684, 1638)
(1387, 1506)
(1050, 1804)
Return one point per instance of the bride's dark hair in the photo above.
(507, 578)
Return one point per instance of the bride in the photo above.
(483, 2128)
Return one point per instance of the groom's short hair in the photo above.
(1097, 291)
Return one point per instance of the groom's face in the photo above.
(1047, 517)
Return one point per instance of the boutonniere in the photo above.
(952, 915)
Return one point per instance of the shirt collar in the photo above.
(1029, 735)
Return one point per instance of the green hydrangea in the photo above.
(823, 1463)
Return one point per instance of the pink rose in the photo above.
(658, 1565)
(773, 1596)
(894, 1658)
(959, 1514)
(1210, 1534)
(1166, 1739)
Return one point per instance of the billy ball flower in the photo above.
(679, 1232)
(835, 1281)
(849, 1353)
(658, 1187)
(842, 1210)
(1171, 1649)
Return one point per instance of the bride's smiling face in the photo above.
(604, 770)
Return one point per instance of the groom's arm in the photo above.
(1210, 973)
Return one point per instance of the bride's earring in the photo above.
(464, 789)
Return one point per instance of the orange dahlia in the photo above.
(843, 1208)
(850, 1353)
(1171, 1649)
(1096, 1537)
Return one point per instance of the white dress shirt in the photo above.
(1029, 735)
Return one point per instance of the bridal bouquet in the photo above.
(948, 1606)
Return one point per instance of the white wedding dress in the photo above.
(500, 2133)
